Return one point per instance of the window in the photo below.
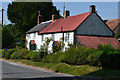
(53, 37)
(67, 37)
(42, 38)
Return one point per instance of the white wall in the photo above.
(37, 38)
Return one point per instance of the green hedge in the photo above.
(9, 52)
(21, 54)
(37, 56)
(54, 58)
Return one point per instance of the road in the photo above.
(15, 70)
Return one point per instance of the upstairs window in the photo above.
(67, 37)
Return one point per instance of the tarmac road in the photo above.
(15, 70)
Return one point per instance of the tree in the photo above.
(24, 14)
(8, 36)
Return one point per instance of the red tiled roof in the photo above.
(112, 24)
(68, 24)
(93, 41)
(32, 42)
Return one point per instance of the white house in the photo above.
(87, 29)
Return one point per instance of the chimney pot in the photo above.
(92, 9)
(39, 18)
(54, 16)
(38, 13)
(66, 14)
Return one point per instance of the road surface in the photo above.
(15, 70)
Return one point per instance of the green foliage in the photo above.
(9, 53)
(8, 36)
(3, 52)
(15, 55)
(116, 36)
(46, 44)
(21, 54)
(24, 14)
(28, 56)
(53, 58)
(37, 56)
(106, 49)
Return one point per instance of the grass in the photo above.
(77, 70)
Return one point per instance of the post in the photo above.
(2, 17)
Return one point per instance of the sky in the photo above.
(107, 10)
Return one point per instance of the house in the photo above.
(114, 25)
(87, 29)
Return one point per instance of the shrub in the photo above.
(23, 53)
(110, 61)
(37, 56)
(28, 56)
(94, 58)
(9, 53)
(106, 49)
(3, 52)
(53, 58)
(74, 55)
(15, 55)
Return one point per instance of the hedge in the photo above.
(9, 52)
(54, 58)
(37, 56)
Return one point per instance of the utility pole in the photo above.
(2, 17)
(64, 8)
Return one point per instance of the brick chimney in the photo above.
(92, 9)
(39, 18)
(66, 14)
(54, 16)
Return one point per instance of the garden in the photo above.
(77, 61)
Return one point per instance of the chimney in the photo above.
(66, 14)
(39, 18)
(92, 9)
(54, 16)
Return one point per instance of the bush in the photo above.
(110, 61)
(37, 56)
(9, 53)
(15, 55)
(107, 49)
(75, 55)
(21, 54)
(94, 58)
(53, 58)
(28, 56)
(3, 52)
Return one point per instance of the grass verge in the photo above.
(79, 70)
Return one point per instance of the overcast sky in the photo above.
(107, 10)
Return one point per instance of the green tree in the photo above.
(24, 14)
(8, 36)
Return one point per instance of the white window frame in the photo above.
(67, 37)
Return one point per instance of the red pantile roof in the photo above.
(68, 24)
(112, 24)
(93, 41)
(32, 42)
